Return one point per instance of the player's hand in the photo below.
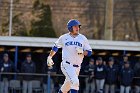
(49, 61)
(79, 50)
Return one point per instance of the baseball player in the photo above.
(74, 47)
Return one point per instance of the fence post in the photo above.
(49, 81)
(124, 52)
(16, 60)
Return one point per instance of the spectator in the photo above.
(82, 82)
(57, 80)
(125, 59)
(137, 74)
(6, 65)
(45, 70)
(104, 62)
(90, 82)
(100, 74)
(111, 76)
(126, 77)
(28, 66)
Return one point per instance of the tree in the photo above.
(43, 26)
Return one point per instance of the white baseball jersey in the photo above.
(69, 43)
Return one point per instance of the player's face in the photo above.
(28, 58)
(75, 29)
(111, 62)
(125, 58)
(5, 58)
(91, 62)
(100, 61)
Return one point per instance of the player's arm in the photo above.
(87, 53)
(87, 48)
(52, 53)
(83, 52)
(58, 44)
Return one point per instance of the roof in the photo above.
(48, 42)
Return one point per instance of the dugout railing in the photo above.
(48, 76)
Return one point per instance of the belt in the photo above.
(73, 65)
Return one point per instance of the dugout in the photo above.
(18, 47)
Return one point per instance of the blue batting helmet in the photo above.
(72, 23)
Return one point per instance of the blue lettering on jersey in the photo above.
(73, 43)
